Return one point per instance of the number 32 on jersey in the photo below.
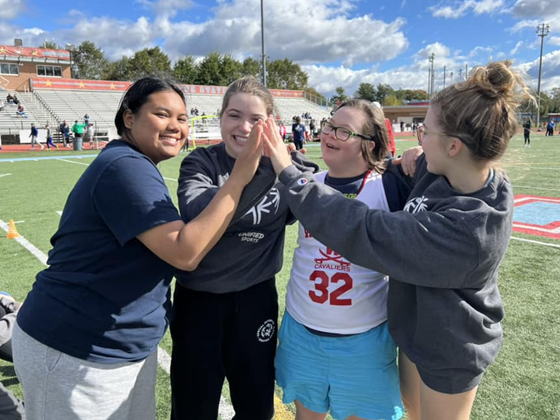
(321, 293)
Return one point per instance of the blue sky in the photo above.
(337, 42)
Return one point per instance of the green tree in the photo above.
(150, 62)
(366, 91)
(185, 70)
(284, 74)
(392, 100)
(555, 100)
(118, 70)
(383, 90)
(51, 45)
(339, 97)
(252, 67)
(209, 70)
(230, 70)
(89, 62)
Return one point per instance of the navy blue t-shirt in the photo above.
(105, 297)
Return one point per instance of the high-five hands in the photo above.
(274, 146)
(248, 159)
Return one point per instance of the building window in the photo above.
(10, 69)
(49, 71)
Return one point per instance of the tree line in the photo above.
(89, 62)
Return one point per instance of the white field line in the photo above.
(226, 409)
(535, 188)
(87, 164)
(3, 175)
(37, 253)
(536, 242)
(76, 163)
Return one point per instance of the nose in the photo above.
(246, 126)
(173, 125)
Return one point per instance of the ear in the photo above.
(128, 119)
(454, 147)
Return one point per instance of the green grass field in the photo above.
(524, 383)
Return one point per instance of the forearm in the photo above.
(198, 236)
(407, 248)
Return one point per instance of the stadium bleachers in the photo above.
(54, 106)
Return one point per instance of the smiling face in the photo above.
(160, 127)
(345, 158)
(242, 112)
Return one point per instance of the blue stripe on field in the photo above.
(48, 158)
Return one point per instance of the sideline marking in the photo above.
(87, 164)
(3, 175)
(34, 159)
(75, 163)
(535, 188)
(535, 242)
(37, 253)
(226, 409)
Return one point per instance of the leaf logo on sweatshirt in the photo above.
(416, 205)
(269, 204)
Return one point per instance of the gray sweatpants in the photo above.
(57, 386)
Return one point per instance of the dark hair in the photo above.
(375, 128)
(138, 94)
(482, 110)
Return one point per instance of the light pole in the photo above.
(542, 30)
(431, 59)
(262, 39)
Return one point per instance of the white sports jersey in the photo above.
(328, 293)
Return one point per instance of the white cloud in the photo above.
(10, 8)
(554, 40)
(460, 9)
(517, 47)
(534, 8)
(524, 24)
(328, 34)
(480, 50)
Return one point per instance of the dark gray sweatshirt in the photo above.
(442, 254)
(251, 249)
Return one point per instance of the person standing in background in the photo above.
(527, 132)
(34, 137)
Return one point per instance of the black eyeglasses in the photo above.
(341, 133)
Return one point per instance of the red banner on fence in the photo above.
(34, 52)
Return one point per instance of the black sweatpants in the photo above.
(217, 336)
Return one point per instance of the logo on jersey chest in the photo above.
(330, 260)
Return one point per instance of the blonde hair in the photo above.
(375, 128)
(250, 86)
(482, 110)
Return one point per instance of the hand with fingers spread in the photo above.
(274, 147)
(248, 160)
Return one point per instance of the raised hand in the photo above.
(248, 159)
(274, 147)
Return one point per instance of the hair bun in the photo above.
(496, 79)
